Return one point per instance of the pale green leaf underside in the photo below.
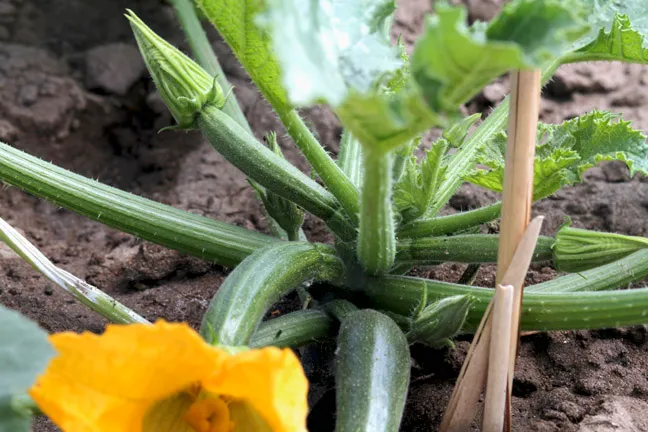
(452, 62)
(566, 150)
(328, 48)
(236, 21)
(619, 31)
(338, 52)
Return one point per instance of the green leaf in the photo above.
(619, 30)
(24, 353)
(327, 48)
(12, 419)
(566, 150)
(236, 22)
(414, 191)
(416, 188)
(340, 53)
(452, 62)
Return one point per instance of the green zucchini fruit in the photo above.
(372, 373)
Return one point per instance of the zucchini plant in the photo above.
(380, 201)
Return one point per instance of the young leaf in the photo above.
(566, 150)
(452, 62)
(339, 53)
(24, 353)
(414, 192)
(236, 22)
(618, 32)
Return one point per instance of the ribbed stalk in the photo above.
(294, 329)
(467, 248)
(331, 174)
(258, 282)
(196, 235)
(442, 225)
(541, 310)
(270, 170)
(350, 158)
(377, 239)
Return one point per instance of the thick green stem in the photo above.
(541, 310)
(464, 159)
(350, 158)
(339, 308)
(295, 329)
(377, 239)
(331, 174)
(617, 274)
(467, 248)
(442, 225)
(187, 232)
(205, 56)
(258, 282)
(270, 170)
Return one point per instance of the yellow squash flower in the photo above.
(165, 378)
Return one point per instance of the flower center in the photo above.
(209, 414)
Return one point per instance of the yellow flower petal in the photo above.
(270, 381)
(107, 383)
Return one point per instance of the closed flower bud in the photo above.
(184, 86)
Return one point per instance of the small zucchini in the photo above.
(372, 373)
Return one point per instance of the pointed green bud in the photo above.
(440, 321)
(184, 86)
(577, 249)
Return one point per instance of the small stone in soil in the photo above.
(113, 68)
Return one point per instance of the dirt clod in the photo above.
(113, 68)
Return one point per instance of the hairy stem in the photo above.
(467, 248)
(331, 174)
(258, 282)
(270, 170)
(442, 225)
(377, 239)
(350, 158)
(294, 329)
(541, 310)
(187, 232)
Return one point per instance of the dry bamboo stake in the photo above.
(518, 193)
(472, 378)
(516, 211)
(498, 360)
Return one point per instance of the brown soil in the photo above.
(57, 102)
